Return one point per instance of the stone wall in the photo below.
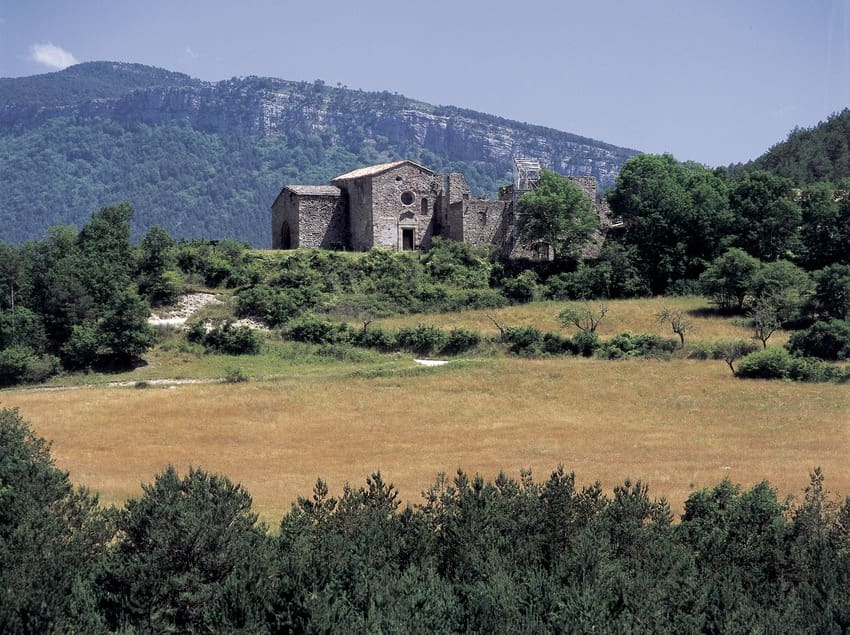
(456, 196)
(482, 221)
(358, 196)
(312, 221)
(405, 197)
(285, 210)
(322, 222)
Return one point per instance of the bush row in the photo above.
(778, 363)
(421, 340)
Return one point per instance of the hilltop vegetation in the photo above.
(756, 246)
(809, 155)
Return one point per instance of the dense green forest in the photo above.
(808, 155)
(528, 556)
(208, 160)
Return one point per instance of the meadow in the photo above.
(679, 425)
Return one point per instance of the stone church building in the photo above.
(401, 206)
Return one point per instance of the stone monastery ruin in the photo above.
(403, 206)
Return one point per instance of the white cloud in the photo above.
(51, 56)
(191, 53)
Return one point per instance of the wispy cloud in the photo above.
(194, 55)
(51, 56)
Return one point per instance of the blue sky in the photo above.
(715, 82)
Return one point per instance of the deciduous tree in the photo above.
(557, 213)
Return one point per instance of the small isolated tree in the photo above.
(731, 352)
(583, 317)
(677, 318)
(557, 213)
(767, 319)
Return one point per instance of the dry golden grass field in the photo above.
(678, 425)
(637, 316)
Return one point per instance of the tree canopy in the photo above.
(558, 214)
(473, 555)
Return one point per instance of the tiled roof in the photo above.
(314, 190)
(373, 170)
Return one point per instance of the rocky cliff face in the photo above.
(350, 126)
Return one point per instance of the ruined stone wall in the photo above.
(457, 196)
(405, 197)
(285, 209)
(483, 221)
(322, 222)
(586, 184)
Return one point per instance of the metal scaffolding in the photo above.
(526, 175)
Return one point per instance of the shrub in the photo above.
(457, 263)
(522, 288)
(814, 370)
(524, 340)
(778, 363)
(559, 287)
(422, 340)
(161, 289)
(640, 345)
(274, 306)
(720, 349)
(196, 332)
(374, 337)
(221, 263)
(235, 375)
(585, 343)
(770, 363)
(825, 340)
(555, 344)
(833, 290)
(728, 279)
(21, 365)
(314, 331)
(464, 299)
(587, 281)
(460, 340)
(230, 339)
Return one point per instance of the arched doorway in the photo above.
(285, 236)
(406, 232)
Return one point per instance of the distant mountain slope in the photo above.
(208, 159)
(808, 155)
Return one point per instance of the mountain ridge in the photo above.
(264, 132)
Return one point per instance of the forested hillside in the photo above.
(821, 153)
(207, 160)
